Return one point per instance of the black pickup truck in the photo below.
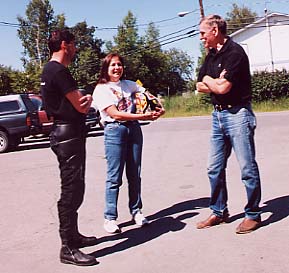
(18, 119)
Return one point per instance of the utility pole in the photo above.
(270, 39)
(202, 14)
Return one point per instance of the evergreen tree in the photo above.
(152, 67)
(87, 62)
(127, 35)
(127, 44)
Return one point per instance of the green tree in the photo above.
(181, 63)
(33, 32)
(145, 60)
(152, 62)
(127, 43)
(161, 70)
(201, 58)
(24, 82)
(239, 17)
(127, 37)
(14, 81)
(5, 80)
(87, 63)
(181, 67)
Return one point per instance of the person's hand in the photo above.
(85, 102)
(160, 110)
(151, 115)
(156, 115)
(147, 116)
(222, 74)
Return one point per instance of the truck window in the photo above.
(9, 106)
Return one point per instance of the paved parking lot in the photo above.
(175, 197)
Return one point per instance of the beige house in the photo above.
(266, 42)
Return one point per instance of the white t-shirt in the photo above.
(115, 93)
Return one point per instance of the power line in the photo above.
(243, 3)
(169, 38)
(9, 24)
(263, 25)
(6, 24)
(156, 44)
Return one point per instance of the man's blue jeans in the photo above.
(234, 128)
(123, 148)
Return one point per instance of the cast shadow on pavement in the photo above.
(278, 207)
(32, 143)
(161, 223)
(42, 142)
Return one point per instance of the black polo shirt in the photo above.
(56, 82)
(233, 58)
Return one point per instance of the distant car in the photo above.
(92, 117)
(45, 122)
(18, 119)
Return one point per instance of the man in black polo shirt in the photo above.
(225, 75)
(65, 103)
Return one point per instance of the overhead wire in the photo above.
(6, 24)
(169, 38)
(157, 43)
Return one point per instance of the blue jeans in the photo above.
(123, 149)
(234, 128)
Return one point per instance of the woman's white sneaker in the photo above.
(110, 226)
(140, 220)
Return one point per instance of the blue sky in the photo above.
(109, 14)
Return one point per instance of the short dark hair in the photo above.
(216, 20)
(57, 36)
(104, 77)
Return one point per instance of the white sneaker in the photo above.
(110, 226)
(140, 220)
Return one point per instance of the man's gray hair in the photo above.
(216, 20)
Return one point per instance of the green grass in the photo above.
(272, 106)
(179, 106)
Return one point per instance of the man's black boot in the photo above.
(80, 240)
(74, 256)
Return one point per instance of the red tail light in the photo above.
(28, 121)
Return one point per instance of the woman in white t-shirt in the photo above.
(123, 139)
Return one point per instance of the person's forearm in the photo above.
(203, 88)
(80, 103)
(113, 112)
(217, 86)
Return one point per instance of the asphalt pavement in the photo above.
(175, 192)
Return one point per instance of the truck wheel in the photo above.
(4, 142)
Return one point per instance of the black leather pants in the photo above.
(68, 143)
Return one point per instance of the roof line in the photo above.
(259, 21)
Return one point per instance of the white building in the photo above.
(266, 42)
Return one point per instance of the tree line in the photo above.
(159, 70)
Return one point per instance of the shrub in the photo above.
(270, 85)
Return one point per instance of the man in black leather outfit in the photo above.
(64, 102)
